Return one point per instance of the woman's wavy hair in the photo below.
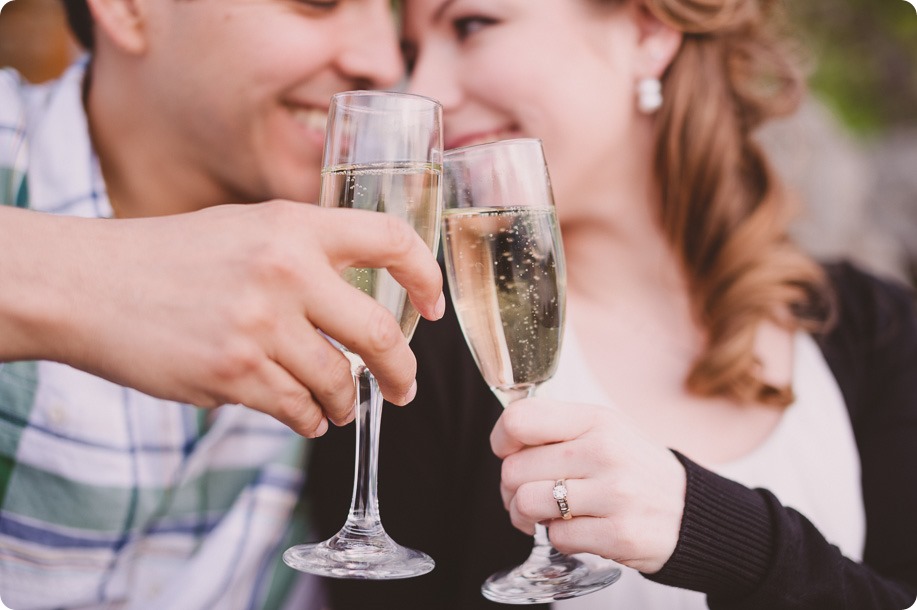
(724, 211)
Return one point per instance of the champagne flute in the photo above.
(383, 152)
(505, 267)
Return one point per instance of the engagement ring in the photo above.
(560, 495)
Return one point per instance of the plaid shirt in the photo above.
(109, 497)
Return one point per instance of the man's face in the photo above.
(242, 86)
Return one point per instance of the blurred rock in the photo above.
(894, 161)
(845, 200)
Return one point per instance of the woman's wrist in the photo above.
(725, 541)
(669, 504)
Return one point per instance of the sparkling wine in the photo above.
(506, 273)
(408, 191)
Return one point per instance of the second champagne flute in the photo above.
(383, 152)
(505, 267)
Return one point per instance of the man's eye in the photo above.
(466, 26)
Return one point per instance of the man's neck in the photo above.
(138, 152)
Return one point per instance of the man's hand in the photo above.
(218, 306)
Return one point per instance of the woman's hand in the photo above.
(625, 493)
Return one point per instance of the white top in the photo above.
(810, 462)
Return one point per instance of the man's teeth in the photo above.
(311, 119)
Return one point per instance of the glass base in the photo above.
(545, 579)
(371, 558)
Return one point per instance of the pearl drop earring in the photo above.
(649, 95)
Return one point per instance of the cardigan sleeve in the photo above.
(747, 551)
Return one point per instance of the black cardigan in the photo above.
(439, 484)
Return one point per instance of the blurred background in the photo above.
(851, 151)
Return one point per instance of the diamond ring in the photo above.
(560, 496)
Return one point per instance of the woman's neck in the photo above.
(616, 247)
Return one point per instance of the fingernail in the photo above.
(346, 419)
(412, 393)
(320, 429)
(440, 306)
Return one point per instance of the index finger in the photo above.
(533, 421)
(371, 239)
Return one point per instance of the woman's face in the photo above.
(562, 70)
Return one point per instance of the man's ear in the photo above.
(122, 22)
(658, 43)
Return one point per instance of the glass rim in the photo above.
(370, 93)
(508, 141)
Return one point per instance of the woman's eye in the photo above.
(466, 26)
(326, 5)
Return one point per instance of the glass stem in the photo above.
(542, 548)
(364, 505)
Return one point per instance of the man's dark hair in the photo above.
(80, 20)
